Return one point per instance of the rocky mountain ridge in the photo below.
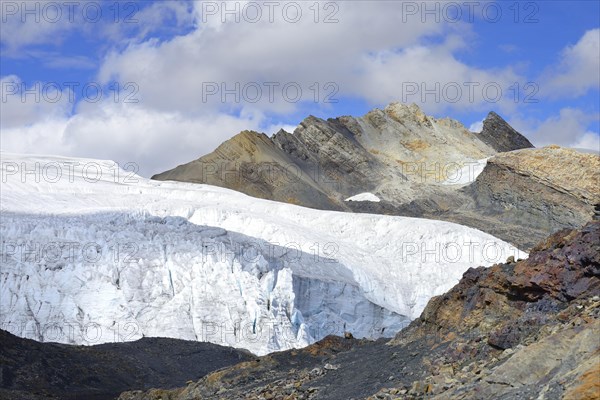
(324, 161)
(417, 165)
(501, 136)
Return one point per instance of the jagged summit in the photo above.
(365, 151)
(498, 134)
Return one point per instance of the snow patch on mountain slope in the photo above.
(364, 197)
(467, 174)
(119, 256)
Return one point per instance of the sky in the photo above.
(160, 83)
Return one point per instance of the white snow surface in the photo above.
(364, 197)
(92, 253)
(466, 174)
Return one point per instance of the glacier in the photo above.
(93, 253)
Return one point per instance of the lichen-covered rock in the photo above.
(543, 190)
(565, 170)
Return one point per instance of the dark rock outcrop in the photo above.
(34, 370)
(511, 331)
(502, 137)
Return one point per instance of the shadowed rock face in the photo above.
(405, 158)
(511, 331)
(34, 370)
(502, 137)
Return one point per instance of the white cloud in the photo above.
(141, 20)
(579, 68)
(33, 23)
(156, 141)
(434, 78)
(568, 129)
(589, 141)
(274, 128)
(476, 126)
(370, 53)
(357, 54)
(26, 104)
(49, 22)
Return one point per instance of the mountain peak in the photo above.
(401, 111)
(502, 137)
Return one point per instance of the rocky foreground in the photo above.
(521, 330)
(411, 162)
(32, 370)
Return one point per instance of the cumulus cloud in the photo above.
(26, 25)
(434, 78)
(588, 141)
(156, 141)
(569, 128)
(476, 126)
(32, 23)
(578, 70)
(26, 104)
(368, 53)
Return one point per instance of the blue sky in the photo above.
(162, 67)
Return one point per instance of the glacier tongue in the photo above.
(113, 277)
(113, 256)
